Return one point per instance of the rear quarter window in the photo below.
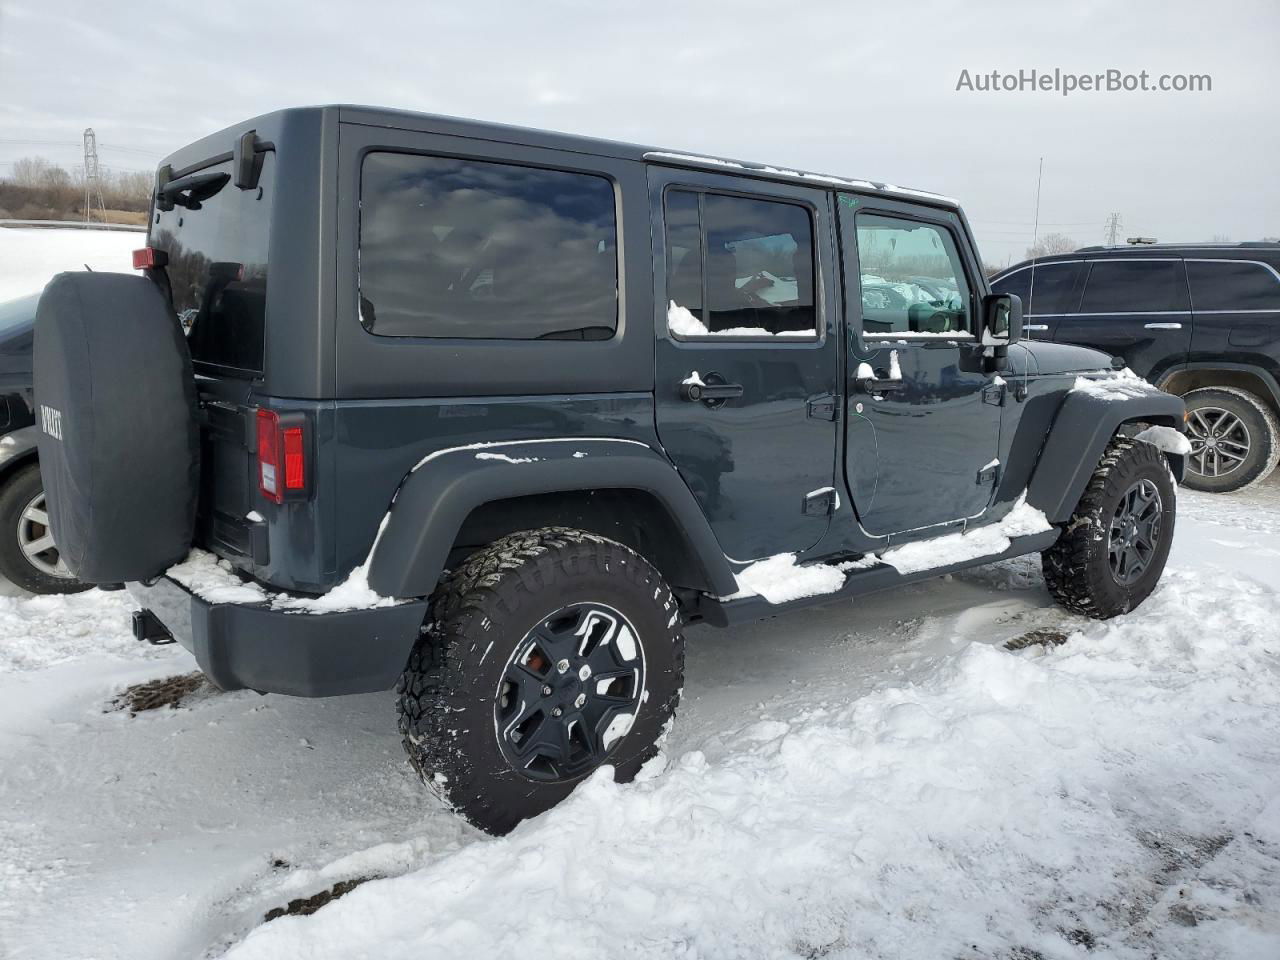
(481, 250)
(1232, 285)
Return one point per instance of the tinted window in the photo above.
(1054, 288)
(912, 278)
(218, 269)
(1134, 286)
(739, 267)
(1232, 285)
(465, 248)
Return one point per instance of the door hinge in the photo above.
(822, 407)
(994, 393)
(989, 474)
(820, 503)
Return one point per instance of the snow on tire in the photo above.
(1113, 549)
(546, 655)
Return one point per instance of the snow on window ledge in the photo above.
(682, 323)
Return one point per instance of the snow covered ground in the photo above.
(29, 257)
(873, 779)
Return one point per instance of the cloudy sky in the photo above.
(858, 89)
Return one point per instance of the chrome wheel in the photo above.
(569, 692)
(35, 540)
(1135, 532)
(1220, 442)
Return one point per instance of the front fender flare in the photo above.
(441, 491)
(1083, 427)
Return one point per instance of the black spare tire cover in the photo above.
(116, 415)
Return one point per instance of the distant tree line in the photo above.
(40, 190)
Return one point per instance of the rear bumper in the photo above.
(242, 646)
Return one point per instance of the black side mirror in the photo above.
(1001, 319)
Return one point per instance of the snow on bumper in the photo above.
(258, 647)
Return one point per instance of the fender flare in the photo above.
(17, 446)
(1080, 433)
(1266, 378)
(441, 491)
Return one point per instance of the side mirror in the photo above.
(1001, 319)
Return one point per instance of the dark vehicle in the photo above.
(491, 414)
(1202, 322)
(28, 555)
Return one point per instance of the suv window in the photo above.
(1135, 286)
(738, 267)
(1232, 285)
(912, 279)
(218, 269)
(1055, 284)
(480, 250)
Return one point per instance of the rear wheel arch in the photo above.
(1249, 379)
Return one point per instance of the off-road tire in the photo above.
(479, 615)
(1076, 568)
(1264, 436)
(16, 491)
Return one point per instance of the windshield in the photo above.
(218, 270)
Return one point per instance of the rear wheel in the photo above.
(1235, 439)
(29, 558)
(1113, 549)
(548, 654)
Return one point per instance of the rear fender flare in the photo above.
(1080, 433)
(17, 447)
(443, 489)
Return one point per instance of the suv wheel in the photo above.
(547, 654)
(1113, 549)
(28, 556)
(1235, 439)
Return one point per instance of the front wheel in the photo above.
(28, 556)
(546, 655)
(1235, 439)
(1113, 549)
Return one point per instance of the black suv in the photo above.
(490, 414)
(28, 555)
(1202, 322)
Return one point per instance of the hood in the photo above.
(1055, 358)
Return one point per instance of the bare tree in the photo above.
(30, 172)
(1050, 244)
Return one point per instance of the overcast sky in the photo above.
(864, 90)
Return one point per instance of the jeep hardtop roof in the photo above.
(218, 145)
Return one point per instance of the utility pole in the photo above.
(92, 176)
(1113, 229)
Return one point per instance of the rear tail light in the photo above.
(149, 258)
(282, 461)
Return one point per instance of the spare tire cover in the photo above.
(116, 414)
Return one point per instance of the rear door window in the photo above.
(1135, 286)
(217, 270)
(480, 250)
(1232, 286)
(739, 267)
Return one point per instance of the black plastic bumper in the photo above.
(242, 646)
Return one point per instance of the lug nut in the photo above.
(582, 698)
(546, 691)
(562, 666)
(584, 673)
(556, 712)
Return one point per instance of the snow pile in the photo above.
(1124, 385)
(30, 257)
(779, 578)
(505, 458)
(1115, 796)
(1166, 438)
(684, 324)
(216, 581)
(1023, 520)
(36, 632)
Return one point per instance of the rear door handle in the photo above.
(694, 392)
(1163, 326)
(877, 385)
(1035, 326)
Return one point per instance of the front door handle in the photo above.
(1162, 326)
(877, 385)
(694, 392)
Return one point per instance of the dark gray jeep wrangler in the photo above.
(490, 414)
